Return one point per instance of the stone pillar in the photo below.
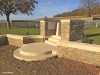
(72, 30)
(42, 28)
(58, 29)
(65, 29)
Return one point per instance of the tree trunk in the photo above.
(8, 21)
(89, 12)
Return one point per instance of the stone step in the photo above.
(53, 39)
(35, 49)
(54, 52)
(19, 56)
(24, 44)
(51, 43)
(56, 37)
(28, 53)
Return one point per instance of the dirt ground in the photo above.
(54, 66)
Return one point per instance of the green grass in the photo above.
(94, 34)
(20, 31)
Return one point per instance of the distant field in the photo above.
(94, 34)
(20, 31)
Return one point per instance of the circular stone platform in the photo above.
(34, 52)
(35, 49)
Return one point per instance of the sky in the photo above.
(47, 8)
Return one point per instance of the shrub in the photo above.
(87, 40)
(27, 33)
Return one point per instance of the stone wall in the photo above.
(33, 39)
(18, 40)
(91, 18)
(65, 29)
(3, 40)
(80, 52)
(15, 40)
(3, 25)
(72, 30)
(47, 27)
(88, 18)
(76, 30)
(42, 28)
(51, 27)
(20, 24)
(24, 24)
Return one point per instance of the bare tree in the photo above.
(88, 4)
(8, 7)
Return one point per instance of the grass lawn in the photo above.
(20, 31)
(94, 34)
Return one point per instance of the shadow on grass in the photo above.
(92, 35)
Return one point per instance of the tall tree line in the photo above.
(87, 8)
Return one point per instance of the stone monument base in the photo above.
(34, 52)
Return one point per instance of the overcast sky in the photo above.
(47, 8)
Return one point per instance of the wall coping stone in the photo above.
(35, 36)
(15, 36)
(21, 37)
(3, 36)
(42, 21)
(71, 20)
(65, 20)
(83, 46)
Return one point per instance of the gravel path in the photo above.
(54, 66)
